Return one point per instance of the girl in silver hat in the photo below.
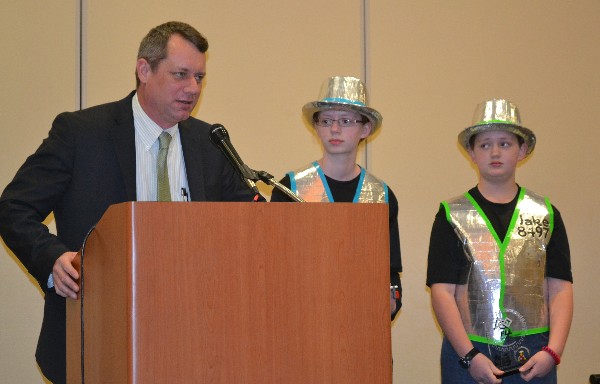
(342, 119)
(499, 264)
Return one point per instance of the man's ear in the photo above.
(142, 67)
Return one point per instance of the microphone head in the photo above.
(218, 133)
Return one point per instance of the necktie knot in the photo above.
(164, 140)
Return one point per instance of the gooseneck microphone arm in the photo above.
(220, 137)
(269, 179)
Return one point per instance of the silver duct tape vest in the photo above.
(505, 292)
(310, 184)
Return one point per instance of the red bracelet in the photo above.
(554, 355)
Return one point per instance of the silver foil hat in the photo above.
(343, 92)
(497, 115)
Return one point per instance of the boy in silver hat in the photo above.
(499, 264)
(342, 120)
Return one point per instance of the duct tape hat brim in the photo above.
(343, 92)
(528, 136)
(317, 106)
(497, 115)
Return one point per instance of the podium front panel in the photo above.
(236, 293)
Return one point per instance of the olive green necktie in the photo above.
(162, 171)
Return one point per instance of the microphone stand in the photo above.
(270, 180)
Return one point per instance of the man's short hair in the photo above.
(153, 47)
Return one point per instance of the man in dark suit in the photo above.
(105, 155)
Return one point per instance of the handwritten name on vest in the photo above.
(532, 226)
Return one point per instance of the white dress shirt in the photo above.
(146, 152)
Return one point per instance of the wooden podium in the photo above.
(233, 293)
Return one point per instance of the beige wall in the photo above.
(428, 64)
(38, 78)
(431, 62)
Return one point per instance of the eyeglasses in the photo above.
(344, 123)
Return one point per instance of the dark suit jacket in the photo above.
(86, 164)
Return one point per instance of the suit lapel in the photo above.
(192, 146)
(123, 135)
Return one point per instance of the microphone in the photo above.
(220, 137)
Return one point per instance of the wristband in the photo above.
(394, 291)
(465, 362)
(554, 355)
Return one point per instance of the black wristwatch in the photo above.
(465, 362)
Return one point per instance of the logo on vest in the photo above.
(504, 325)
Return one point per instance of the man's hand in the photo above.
(65, 276)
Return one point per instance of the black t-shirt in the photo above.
(344, 192)
(447, 261)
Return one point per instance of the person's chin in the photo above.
(183, 115)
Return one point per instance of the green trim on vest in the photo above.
(504, 256)
(550, 214)
(447, 209)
